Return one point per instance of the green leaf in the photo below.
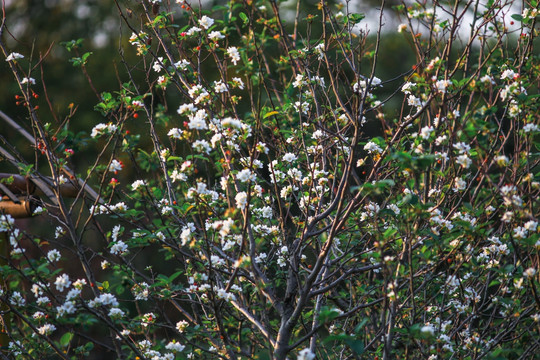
(174, 158)
(355, 18)
(72, 44)
(385, 183)
(85, 56)
(517, 17)
(423, 162)
(328, 314)
(25, 169)
(8, 180)
(218, 8)
(175, 275)
(271, 113)
(244, 18)
(356, 345)
(66, 339)
(360, 327)
(389, 233)
(200, 157)
(410, 199)
(162, 280)
(80, 61)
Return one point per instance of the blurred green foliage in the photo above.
(66, 34)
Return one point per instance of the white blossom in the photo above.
(428, 329)
(216, 35)
(174, 346)
(181, 64)
(508, 74)
(181, 326)
(46, 329)
(53, 255)
(459, 184)
(407, 87)
(73, 293)
(175, 133)
(486, 79)
(199, 95)
(101, 129)
(233, 54)
(464, 161)
(116, 313)
(289, 157)
(206, 22)
(245, 175)
(115, 166)
(119, 248)
(372, 147)
(414, 101)
(306, 354)
(241, 200)
(299, 81)
(529, 273)
(104, 299)
(193, 30)
(43, 300)
(531, 225)
(426, 132)
(158, 65)
(319, 50)
(6, 222)
(66, 308)
(462, 147)
(202, 146)
(220, 87)
(138, 184)
(28, 80)
(17, 299)
(301, 106)
(222, 294)
(238, 83)
(197, 121)
(14, 56)
(62, 282)
(441, 85)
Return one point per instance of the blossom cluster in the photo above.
(277, 206)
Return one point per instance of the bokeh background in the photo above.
(37, 28)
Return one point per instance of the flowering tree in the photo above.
(260, 218)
